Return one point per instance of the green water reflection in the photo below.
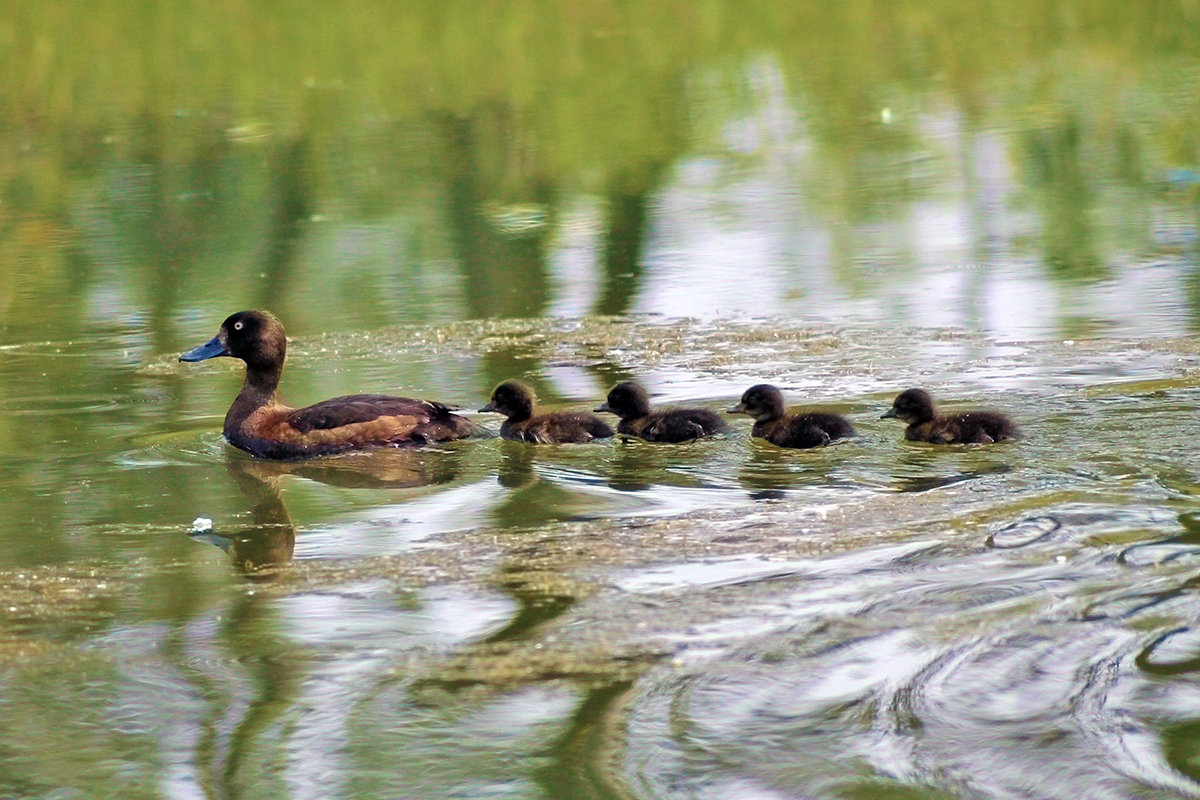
(417, 163)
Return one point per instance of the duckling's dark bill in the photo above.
(210, 349)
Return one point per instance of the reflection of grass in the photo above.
(189, 124)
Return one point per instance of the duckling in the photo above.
(915, 406)
(630, 402)
(260, 424)
(514, 400)
(764, 403)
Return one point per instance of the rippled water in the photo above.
(876, 618)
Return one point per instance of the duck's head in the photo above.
(762, 403)
(513, 399)
(255, 337)
(627, 400)
(912, 406)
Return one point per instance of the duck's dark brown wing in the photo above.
(814, 429)
(558, 428)
(984, 427)
(834, 425)
(432, 422)
(681, 425)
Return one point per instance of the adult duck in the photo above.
(259, 423)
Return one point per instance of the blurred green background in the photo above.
(167, 161)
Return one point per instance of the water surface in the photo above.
(996, 203)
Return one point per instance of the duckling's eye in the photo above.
(237, 326)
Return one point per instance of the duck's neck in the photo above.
(635, 412)
(520, 414)
(262, 380)
(257, 391)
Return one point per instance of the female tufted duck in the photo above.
(813, 429)
(915, 406)
(630, 402)
(260, 424)
(514, 400)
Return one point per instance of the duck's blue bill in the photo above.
(210, 349)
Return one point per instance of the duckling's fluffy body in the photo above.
(764, 403)
(514, 400)
(631, 404)
(259, 423)
(916, 407)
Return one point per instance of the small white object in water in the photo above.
(201, 525)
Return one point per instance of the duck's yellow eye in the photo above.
(237, 326)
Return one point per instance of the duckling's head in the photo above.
(627, 400)
(762, 402)
(513, 399)
(912, 406)
(255, 337)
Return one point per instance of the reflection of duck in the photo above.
(259, 424)
(764, 403)
(516, 467)
(514, 400)
(399, 468)
(915, 406)
(631, 404)
(922, 470)
(531, 500)
(271, 537)
(635, 466)
(540, 595)
(767, 473)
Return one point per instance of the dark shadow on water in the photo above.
(1025, 532)
(277, 672)
(927, 483)
(382, 468)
